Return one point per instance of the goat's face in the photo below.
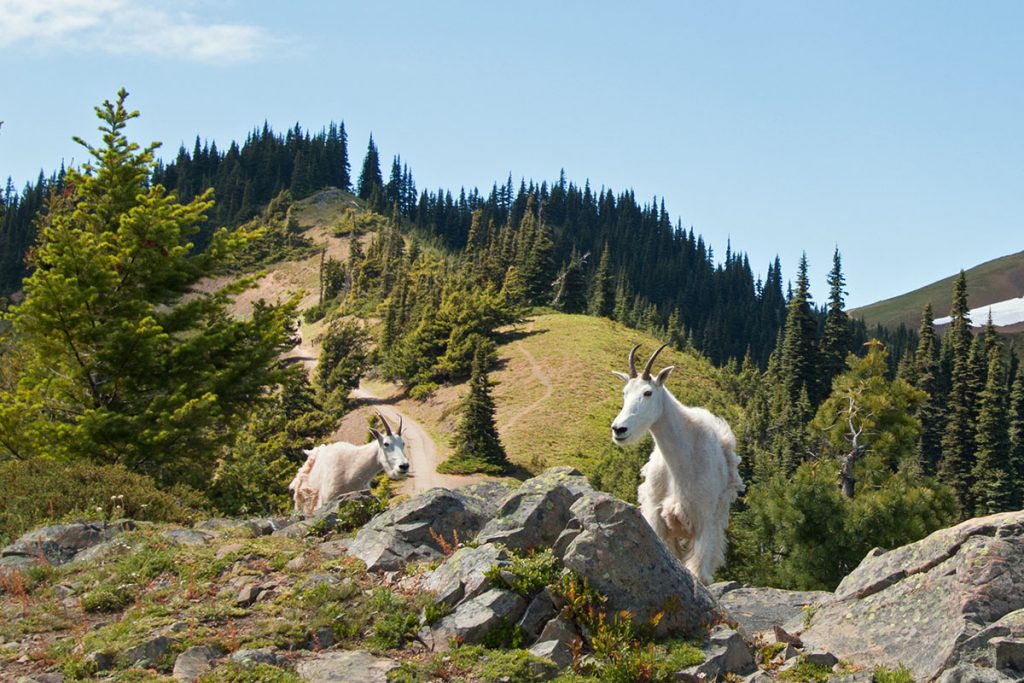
(643, 401)
(391, 455)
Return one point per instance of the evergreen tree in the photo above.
(371, 183)
(799, 361)
(925, 377)
(602, 288)
(835, 341)
(1016, 436)
(117, 367)
(993, 485)
(957, 464)
(571, 286)
(477, 444)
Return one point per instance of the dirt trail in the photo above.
(538, 374)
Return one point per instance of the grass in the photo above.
(996, 280)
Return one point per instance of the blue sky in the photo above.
(894, 131)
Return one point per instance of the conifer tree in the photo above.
(799, 361)
(993, 485)
(1016, 436)
(477, 444)
(602, 287)
(957, 464)
(371, 183)
(925, 377)
(571, 286)
(118, 368)
(835, 340)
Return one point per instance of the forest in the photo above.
(113, 366)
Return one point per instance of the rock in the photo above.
(194, 662)
(229, 549)
(538, 613)
(461, 576)
(759, 677)
(321, 638)
(147, 654)
(725, 652)
(404, 533)
(300, 529)
(60, 543)
(250, 658)
(333, 549)
(42, 678)
(534, 515)
(187, 536)
(759, 609)
(854, 677)
(303, 561)
(619, 553)
(555, 650)
(954, 590)
(346, 666)
(473, 619)
(214, 524)
(969, 673)
(820, 658)
(99, 661)
(484, 498)
(247, 595)
(720, 588)
(560, 629)
(325, 518)
(781, 635)
(1008, 654)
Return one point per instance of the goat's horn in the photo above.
(387, 427)
(650, 363)
(632, 362)
(399, 424)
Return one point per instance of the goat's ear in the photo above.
(621, 375)
(663, 375)
(377, 436)
(308, 451)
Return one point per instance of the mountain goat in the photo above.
(341, 467)
(692, 476)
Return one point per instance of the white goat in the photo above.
(341, 467)
(692, 476)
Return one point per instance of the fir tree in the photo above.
(477, 444)
(925, 376)
(602, 288)
(371, 183)
(571, 286)
(1016, 436)
(799, 361)
(835, 341)
(118, 368)
(993, 485)
(957, 464)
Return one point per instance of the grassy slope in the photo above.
(571, 424)
(992, 281)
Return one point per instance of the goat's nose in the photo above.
(404, 467)
(620, 430)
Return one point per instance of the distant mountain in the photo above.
(998, 284)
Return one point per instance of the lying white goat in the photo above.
(341, 467)
(692, 476)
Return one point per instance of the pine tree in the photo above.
(957, 464)
(835, 341)
(799, 361)
(477, 444)
(371, 183)
(602, 288)
(993, 486)
(571, 286)
(925, 377)
(1016, 436)
(118, 368)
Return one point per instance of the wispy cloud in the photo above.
(129, 27)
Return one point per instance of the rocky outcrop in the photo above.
(760, 609)
(59, 544)
(346, 666)
(960, 591)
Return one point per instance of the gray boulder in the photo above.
(759, 609)
(461, 576)
(188, 536)
(955, 590)
(473, 619)
(252, 657)
(619, 553)
(194, 662)
(539, 612)
(555, 650)
(60, 543)
(346, 666)
(534, 515)
(403, 534)
(725, 652)
(147, 654)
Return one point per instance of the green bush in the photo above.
(529, 573)
(38, 491)
(901, 674)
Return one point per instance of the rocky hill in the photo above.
(547, 580)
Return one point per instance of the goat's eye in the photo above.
(647, 393)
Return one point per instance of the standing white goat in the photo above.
(341, 467)
(692, 476)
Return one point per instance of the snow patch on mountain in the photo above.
(1009, 312)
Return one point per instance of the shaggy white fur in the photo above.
(692, 476)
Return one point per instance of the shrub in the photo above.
(41, 491)
(901, 674)
(526, 575)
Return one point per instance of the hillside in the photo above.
(991, 282)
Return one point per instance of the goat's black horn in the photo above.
(650, 363)
(632, 361)
(387, 427)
